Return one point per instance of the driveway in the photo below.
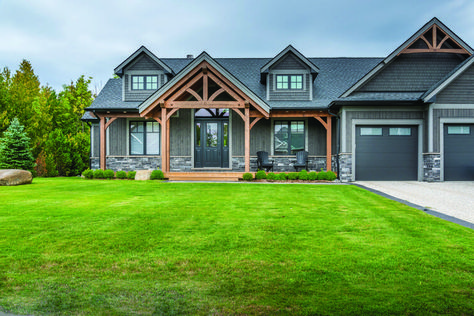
(454, 198)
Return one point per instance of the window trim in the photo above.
(289, 120)
(145, 133)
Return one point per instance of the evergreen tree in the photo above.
(15, 150)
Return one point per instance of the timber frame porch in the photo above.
(191, 91)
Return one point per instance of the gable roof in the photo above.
(207, 58)
(290, 49)
(406, 44)
(119, 69)
(443, 83)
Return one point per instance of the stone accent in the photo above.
(15, 177)
(432, 167)
(143, 175)
(345, 167)
(129, 163)
(181, 164)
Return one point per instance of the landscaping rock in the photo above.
(143, 174)
(15, 177)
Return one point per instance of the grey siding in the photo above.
(377, 115)
(287, 95)
(289, 62)
(180, 133)
(316, 138)
(117, 137)
(447, 113)
(95, 140)
(143, 64)
(413, 72)
(238, 135)
(460, 91)
(260, 137)
(135, 96)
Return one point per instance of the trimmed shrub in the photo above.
(109, 174)
(247, 176)
(293, 176)
(157, 175)
(131, 175)
(98, 174)
(272, 177)
(121, 174)
(322, 175)
(260, 175)
(88, 174)
(303, 175)
(312, 176)
(283, 176)
(331, 176)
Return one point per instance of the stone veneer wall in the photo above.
(129, 163)
(181, 164)
(431, 167)
(282, 163)
(345, 167)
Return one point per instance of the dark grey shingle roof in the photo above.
(110, 97)
(383, 96)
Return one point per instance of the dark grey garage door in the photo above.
(459, 152)
(386, 153)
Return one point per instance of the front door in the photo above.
(211, 145)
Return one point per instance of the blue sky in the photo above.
(65, 39)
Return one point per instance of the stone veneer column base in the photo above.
(345, 167)
(129, 163)
(432, 167)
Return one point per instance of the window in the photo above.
(459, 130)
(370, 131)
(144, 82)
(289, 137)
(144, 138)
(289, 82)
(399, 131)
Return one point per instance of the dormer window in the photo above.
(289, 82)
(144, 82)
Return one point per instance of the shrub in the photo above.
(247, 176)
(283, 176)
(292, 175)
(109, 174)
(157, 175)
(121, 174)
(331, 176)
(272, 177)
(312, 176)
(15, 151)
(322, 175)
(88, 174)
(260, 175)
(98, 174)
(303, 175)
(131, 175)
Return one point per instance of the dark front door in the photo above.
(211, 146)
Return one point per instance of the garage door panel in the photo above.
(459, 154)
(386, 157)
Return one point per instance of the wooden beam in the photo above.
(167, 144)
(194, 93)
(110, 121)
(204, 104)
(103, 152)
(178, 93)
(329, 144)
(247, 139)
(305, 113)
(255, 120)
(240, 113)
(215, 94)
(436, 50)
(225, 87)
(163, 140)
(322, 122)
(171, 113)
(205, 84)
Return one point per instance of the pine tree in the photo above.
(15, 150)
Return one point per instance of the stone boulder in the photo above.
(143, 175)
(15, 177)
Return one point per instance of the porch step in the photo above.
(203, 176)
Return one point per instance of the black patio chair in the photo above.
(301, 161)
(263, 162)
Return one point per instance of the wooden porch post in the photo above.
(103, 147)
(329, 143)
(247, 137)
(164, 145)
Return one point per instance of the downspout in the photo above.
(338, 141)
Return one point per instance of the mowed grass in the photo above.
(79, 247)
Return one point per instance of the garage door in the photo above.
(386, 153)
(459, 152)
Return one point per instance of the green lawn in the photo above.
(90, 247)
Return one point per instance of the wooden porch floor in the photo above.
(204, 176)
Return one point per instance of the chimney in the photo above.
(189, 56)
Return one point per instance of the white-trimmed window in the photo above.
(289, 82)
(459, 130)
(288, 137)
(144, 82)
(144, 138)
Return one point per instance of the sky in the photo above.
(66, 39)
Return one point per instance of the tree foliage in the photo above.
(59, 140)
(15, 152)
